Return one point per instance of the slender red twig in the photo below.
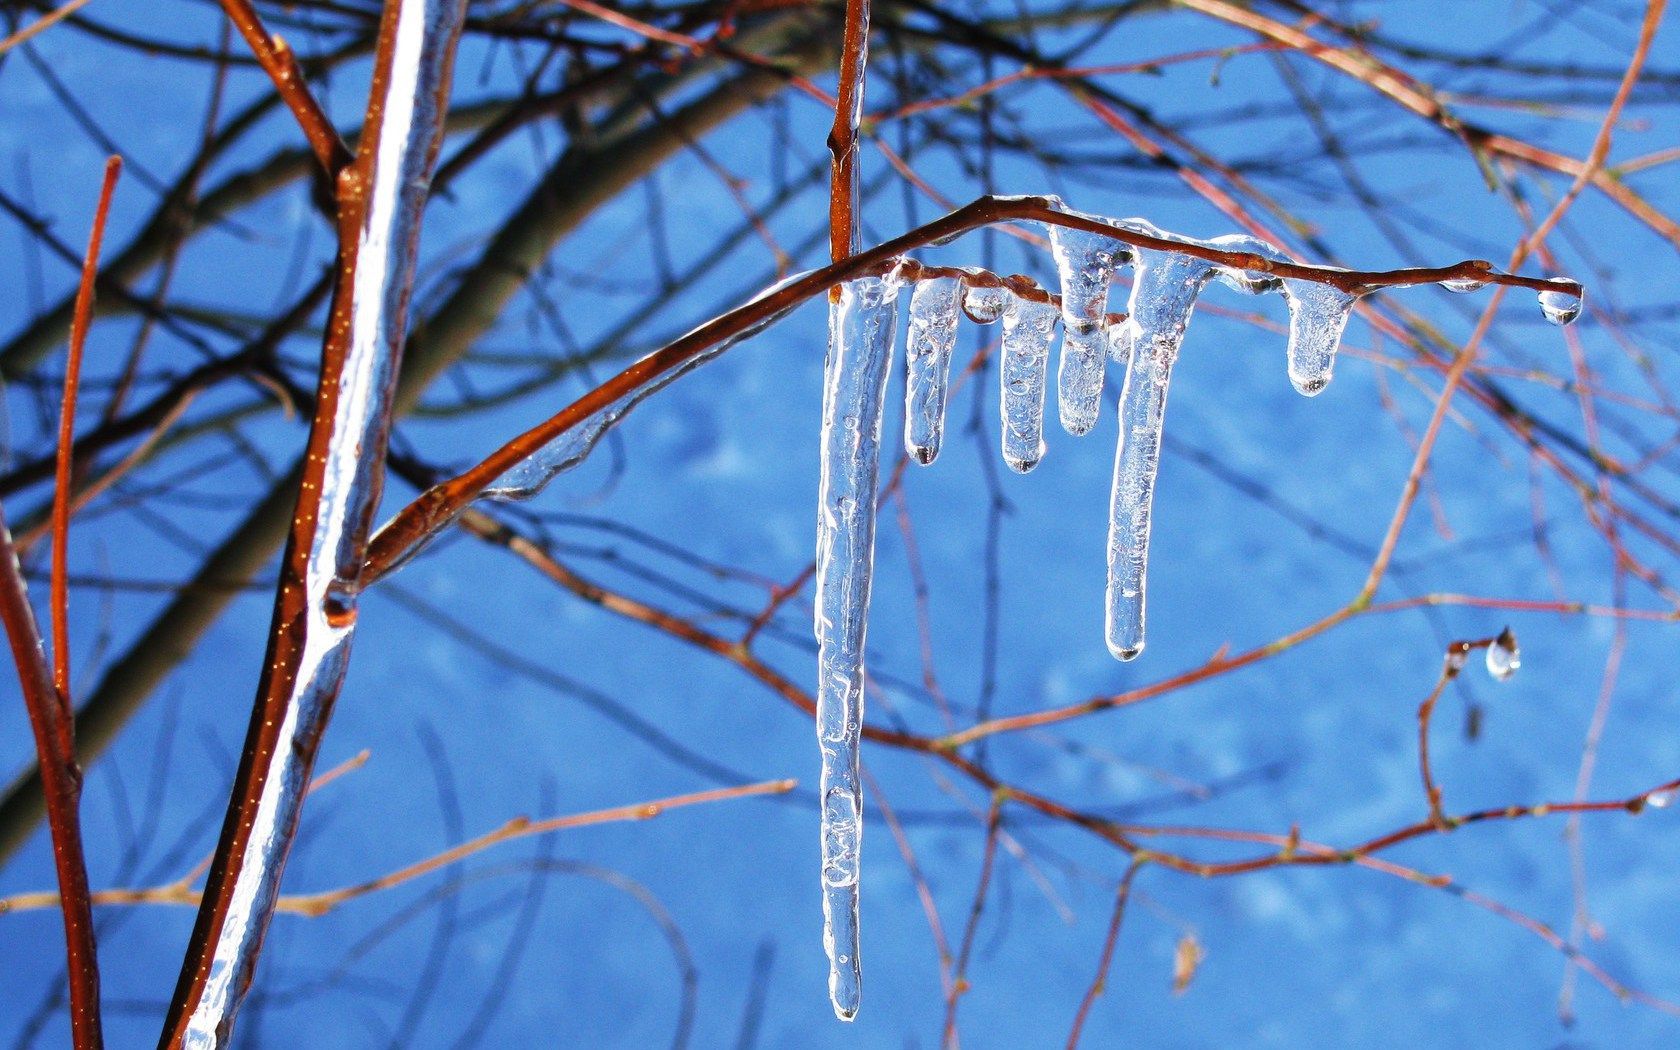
(46, 691)
(1098, 983)
(62, 494)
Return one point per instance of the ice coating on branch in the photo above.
(533, 473)
(1164, 290)
(927, 353)
(317, 605)
(1028, 327)
(1318, 314)
(1085, 263)
(862, 326)
(1251, 282)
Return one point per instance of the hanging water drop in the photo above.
(927, 352)
(1462, 285)
(862, 326)
(1028, 327)
(984, 303)
(1560, 307)
(1503, 656)
(1318, 314)
(1662, 798)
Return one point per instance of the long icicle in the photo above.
(862, 327)
(1164, 290)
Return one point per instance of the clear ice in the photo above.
(317, 641)
(1085, 263)
(862, 326)
(927, 353)
(1164, 290)
(1560, 306)
(1503, 656)
(984, 303)
(1318, 314)
(1028, 327)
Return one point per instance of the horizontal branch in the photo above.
(416, 523)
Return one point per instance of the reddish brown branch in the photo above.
(1099, 983)
(61, 780)
(281, 64)
(62, 491)
(843, 138)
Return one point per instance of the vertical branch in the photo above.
(842, 140)
(381, 198)
(959, 975)
(62, 494)
(61, 782)
(1099, 983)
(46, 693)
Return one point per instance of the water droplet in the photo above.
(983, 305)
(1503, 656)
(1464, 284)
(1661, 798)
(1560, 307)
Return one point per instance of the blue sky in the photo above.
(724, 461)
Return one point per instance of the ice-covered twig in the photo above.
(381, 198)
(435, 508)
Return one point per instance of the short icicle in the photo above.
(1318, 314)
(1028, 327)
(862, 325)
(1164, 291)
(927, 356)
(1085, 263)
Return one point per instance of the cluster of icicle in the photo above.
(862, 332)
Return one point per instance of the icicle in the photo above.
(1503, 656)
(1318, 314)
(1118, 339)
(1164, 291)
(1561, 305)
(984, 303)
(861, 330)
(1085, 262)
(1028, 327)
(927, 352)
